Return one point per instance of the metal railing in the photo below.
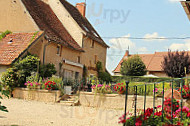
(174, 84)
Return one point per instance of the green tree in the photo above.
(174, 64)
(133, 66)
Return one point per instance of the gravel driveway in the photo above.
(33, 113)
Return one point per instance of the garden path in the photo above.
(33, 113)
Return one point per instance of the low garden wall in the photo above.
(115, 101)
(37, 95)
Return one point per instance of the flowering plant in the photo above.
(185, 92)
(102, 88)
(32, 85)
(50, 85)
(120, 87)
(155, 118)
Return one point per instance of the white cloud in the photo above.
(124, 43)
(180, 46)
(175, 0)
(150, 37)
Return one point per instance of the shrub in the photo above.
(174, 64)
(117, 79)
(47, 70)
(5, 93)
(104, 77)
(133, 66)
(24, 67)
(9, 79)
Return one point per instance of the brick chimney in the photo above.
(82, 8)
(127, 53)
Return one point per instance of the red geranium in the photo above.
(119, 87)
(185, 92)
(50, 85)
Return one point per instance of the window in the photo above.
(78, 59)
(76, 75)
(95, 59)
(92, 44)
(58, 50)
(68, 74)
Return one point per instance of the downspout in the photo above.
(44, 51)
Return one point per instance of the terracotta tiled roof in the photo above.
(117, 69)
(47, 21)
(10, 51)
(153, 62)
(83, 22)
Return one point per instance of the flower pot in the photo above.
(37, 87)
(67, 90)
(121, 92)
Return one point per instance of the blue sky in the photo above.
(139, 18)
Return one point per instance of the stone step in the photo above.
(70, 99)
(67, 103)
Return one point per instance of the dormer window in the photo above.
(10, 41)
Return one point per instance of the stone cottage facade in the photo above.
(65, 43)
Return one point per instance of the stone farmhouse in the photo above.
(153, 63)
(65, 37)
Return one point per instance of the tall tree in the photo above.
(175, 63)
(133, 66)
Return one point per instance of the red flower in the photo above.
(188, 114)
(158, 113)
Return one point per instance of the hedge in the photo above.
(139, 79)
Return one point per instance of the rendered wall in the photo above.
(15, 17)
(89, 57)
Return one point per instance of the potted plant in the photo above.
(120, 88)
(102, 88)
(67, 86)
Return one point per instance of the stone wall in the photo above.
(37, 95)
(115, 101)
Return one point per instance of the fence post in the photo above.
(135, 111)
(172, 101)
(126, 97)
(181, 86)
(154, 99)
(144, 103)
(163, 102)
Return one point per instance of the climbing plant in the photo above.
(2, 35)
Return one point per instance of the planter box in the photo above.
(114, 101)
(37, 95)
